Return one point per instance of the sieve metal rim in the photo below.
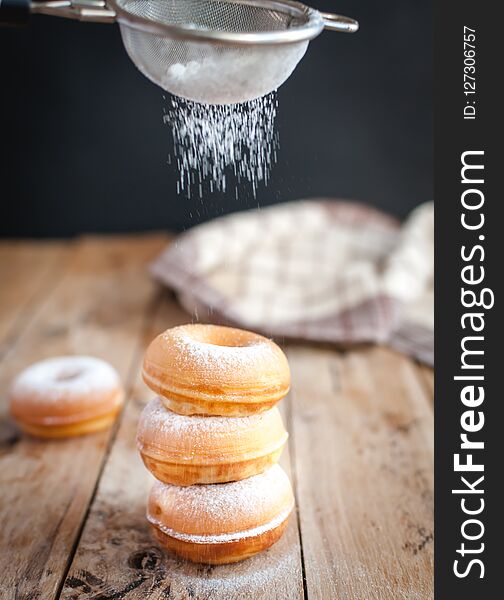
(308, 30)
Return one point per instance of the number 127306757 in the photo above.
(469, 73)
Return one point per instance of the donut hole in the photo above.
(68, 375)
(229, 337)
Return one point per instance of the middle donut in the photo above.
(185, 450)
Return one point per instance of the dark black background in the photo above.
(84, 147)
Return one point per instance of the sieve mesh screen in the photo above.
(208, 71)
(216, 15)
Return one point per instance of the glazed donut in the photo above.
(224, 523)
(213, 370)
(66, 396)
(184, 450)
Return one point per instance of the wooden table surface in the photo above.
(360, 452)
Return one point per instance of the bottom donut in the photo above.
(224, 522)
(220, 553)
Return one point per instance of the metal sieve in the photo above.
(209, 51)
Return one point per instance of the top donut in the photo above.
(214, 370)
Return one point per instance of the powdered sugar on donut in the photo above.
(156, 417)
(215, 355)
(224, 537)
(162, 432)
(212, 504)
(63, 378)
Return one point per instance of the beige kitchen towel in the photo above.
(320, 270)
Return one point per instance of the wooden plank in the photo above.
(97, 308)
(118, 558)
(363, 432)
(28, 270)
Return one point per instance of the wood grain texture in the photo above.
(97, 307)
(117, 556)
(363, 442)
(360, 448)
(28, 270)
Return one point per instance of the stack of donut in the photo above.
(212, 439)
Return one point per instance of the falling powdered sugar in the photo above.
(218, 147)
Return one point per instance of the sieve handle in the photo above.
(339, 23)
(14, 12)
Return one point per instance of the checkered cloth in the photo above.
(320, 270)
